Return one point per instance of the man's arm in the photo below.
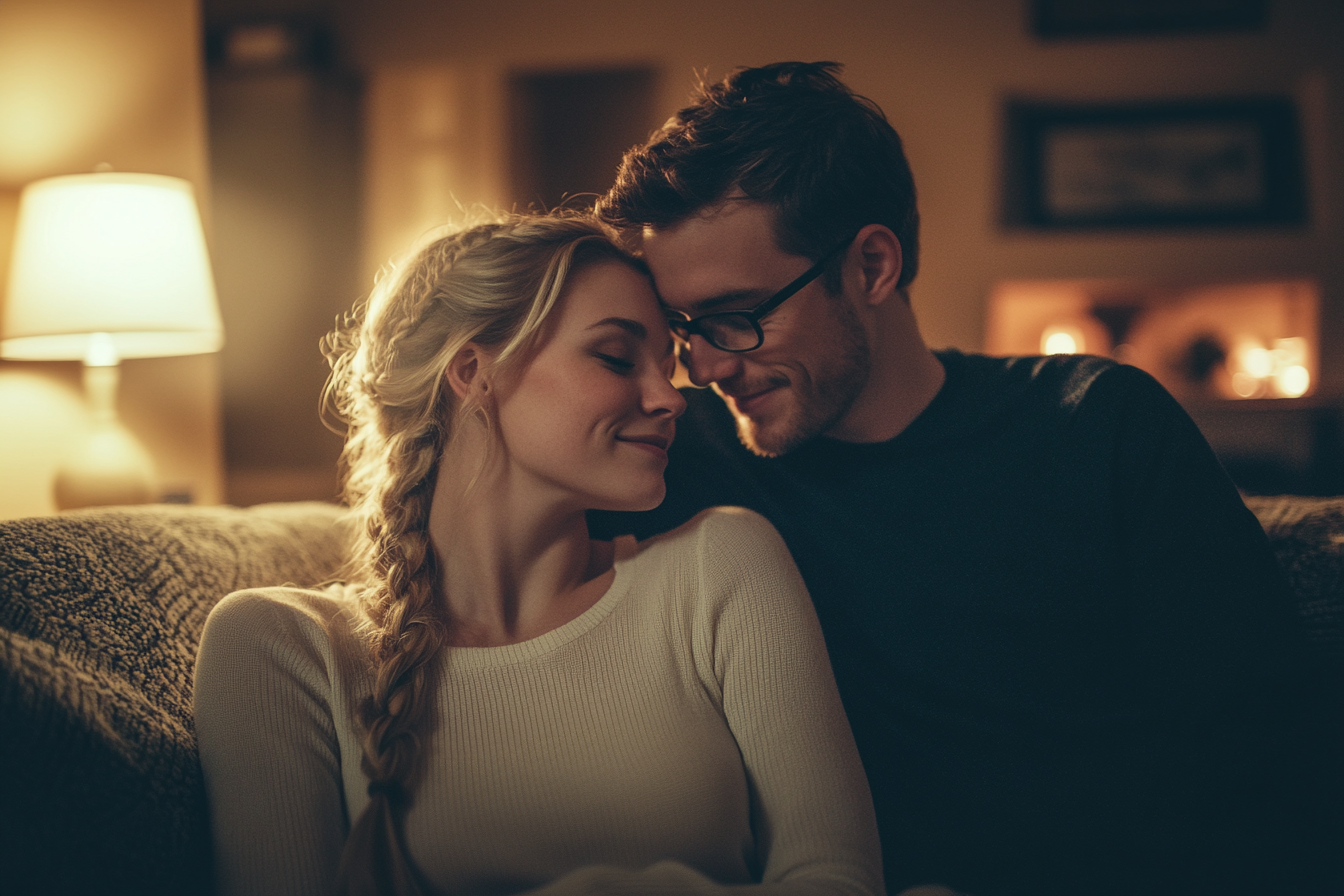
(1218, 646)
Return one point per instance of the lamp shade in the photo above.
(109, 253)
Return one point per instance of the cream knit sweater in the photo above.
(684, 735)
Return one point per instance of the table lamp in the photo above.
(108, 266)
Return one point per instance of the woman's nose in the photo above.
(663, 399)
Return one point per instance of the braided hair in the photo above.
(494, 285)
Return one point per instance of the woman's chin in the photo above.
(637, 502)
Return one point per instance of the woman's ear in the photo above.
(466, 373)
(881, 258)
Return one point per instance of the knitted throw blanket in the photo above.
(1307, 535)
(101, 613)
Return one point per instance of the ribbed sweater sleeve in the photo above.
(268, 744)
(811, 811)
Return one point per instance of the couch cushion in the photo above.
(101, 613)
(1307, 535)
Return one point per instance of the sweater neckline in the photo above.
(625, 551)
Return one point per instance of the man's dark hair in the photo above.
(791, 135)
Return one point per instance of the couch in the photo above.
(100, 615)
(101, 612)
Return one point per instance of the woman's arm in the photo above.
(761, 648)
(812, 812)
(268, 744)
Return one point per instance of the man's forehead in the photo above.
(736, 218)
(728, 253)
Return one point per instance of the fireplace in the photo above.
(1242, 358)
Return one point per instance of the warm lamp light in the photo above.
(1062, 341)
(108, 266)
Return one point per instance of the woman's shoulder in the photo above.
(281, 613)
(729, 545)
(726, 525)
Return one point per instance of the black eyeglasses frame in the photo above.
(685, 326)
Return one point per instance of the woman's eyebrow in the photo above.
(633, 327)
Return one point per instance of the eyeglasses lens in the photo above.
(729, 332)
(732, 332)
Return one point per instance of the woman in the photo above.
(501, 704)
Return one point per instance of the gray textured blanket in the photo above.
(100, 616)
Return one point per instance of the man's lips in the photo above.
(745, 404)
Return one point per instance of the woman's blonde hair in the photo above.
(493, 285)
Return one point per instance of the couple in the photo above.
(1057, 633)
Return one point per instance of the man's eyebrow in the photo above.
(633, 327)
(748, 297)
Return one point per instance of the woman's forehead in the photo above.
(608, 289)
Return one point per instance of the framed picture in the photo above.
(1184, 164)
(1052, 19)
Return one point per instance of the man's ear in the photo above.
(881, 260)
(466, 372)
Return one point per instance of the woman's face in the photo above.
(588, 418)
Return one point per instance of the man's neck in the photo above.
(904, 379)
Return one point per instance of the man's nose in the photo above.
(706, 364)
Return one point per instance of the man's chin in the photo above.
(788, 427)
(766, 441)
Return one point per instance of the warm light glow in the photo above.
(1061, 341)
(1292, 350)
(76, 79)
(1293, 382)
(1204, 342)
(105, 267)
(119, 254)
(1280, 372)
(1257, 361)
(1245, 385)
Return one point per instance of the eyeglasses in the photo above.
(740, 331)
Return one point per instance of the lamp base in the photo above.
(110, 467)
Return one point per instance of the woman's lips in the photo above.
(655, 444)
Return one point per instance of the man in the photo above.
(1061, 638)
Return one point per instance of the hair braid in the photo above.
(407, 635)
(493, 284)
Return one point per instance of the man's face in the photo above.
(814, 361)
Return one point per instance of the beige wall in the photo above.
(941, 70)
(84, 82)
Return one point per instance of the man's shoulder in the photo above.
(1063, 375)
(984, 384)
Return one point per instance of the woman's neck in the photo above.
(513, 565)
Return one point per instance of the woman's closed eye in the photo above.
(615, 362)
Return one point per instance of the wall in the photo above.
(84, 82)
(285, 171)
(941, 69)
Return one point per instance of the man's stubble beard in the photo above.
(822, 400)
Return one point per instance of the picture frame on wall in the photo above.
(1214, 163)
(1083, 19)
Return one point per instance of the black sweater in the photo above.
(1061, 638)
